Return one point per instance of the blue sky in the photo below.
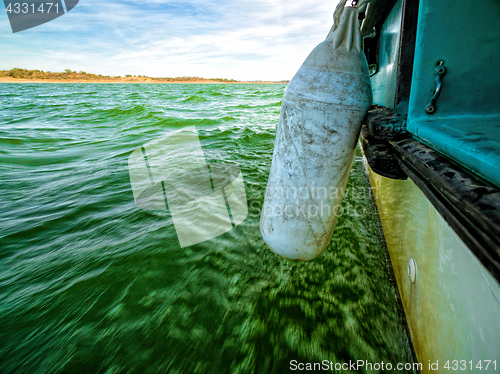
(239, 39)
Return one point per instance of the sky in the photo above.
(236, 39)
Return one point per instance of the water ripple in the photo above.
(89, 283)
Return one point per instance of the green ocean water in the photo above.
(89, 283)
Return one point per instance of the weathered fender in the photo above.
(320, 120)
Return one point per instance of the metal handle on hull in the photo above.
(439, 73)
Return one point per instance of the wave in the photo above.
(195, 99)
(88, 280)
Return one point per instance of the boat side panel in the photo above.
(465, 125)
(384, 81)
(466, 36)
(453, 307)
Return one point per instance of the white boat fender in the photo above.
(319, 124)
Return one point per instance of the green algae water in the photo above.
(90, 283)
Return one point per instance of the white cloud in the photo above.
(241, 39)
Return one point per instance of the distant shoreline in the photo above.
(17, 75)
(124, 81)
